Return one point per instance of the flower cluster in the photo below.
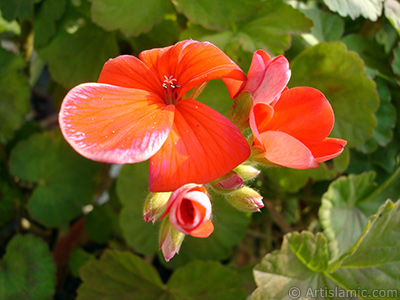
(145, 108)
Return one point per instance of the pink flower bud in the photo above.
(189, 209)
(170, 239)
(227, 183)
(155, 205)
(245, 199)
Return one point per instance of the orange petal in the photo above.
(303, 113)
(114, 124)
(328, 149)
(204, 230)
(192, 63)
(128, 71)
(285, 150)
(259, 117)
(203, 146)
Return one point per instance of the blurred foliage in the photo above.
(71, 228)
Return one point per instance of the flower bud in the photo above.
(170, 239)
(240, 110)
(245, 199)
(227, 183)
(189, 210)
(155, 205)
(246, 172)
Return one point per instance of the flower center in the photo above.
(187, 211)
(170, 85)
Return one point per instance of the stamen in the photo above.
(169, 81)
(170, 85)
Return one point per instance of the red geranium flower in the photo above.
(137, 111)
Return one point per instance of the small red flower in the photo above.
(137, 111)
(293, 131)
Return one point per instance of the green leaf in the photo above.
(348, 203)
(387, 190)
(44, 26)
(205, 280)
(374, 261)
(27, 270)
(295, 271)
(396, 60)
(100, 223)
(14, 94)
(122, 275)
(370, 269)
(77, 259)
(343, 213)
(163, 34)
(340, 75)
(217, 14)
(269, 29)
(132, 189)
(392, 12)
(8, 198)
(132, 17)
(64, 179)
(386, 116)
(327, 27)
(14, 9)
(119, 275)
(373, 54)
(369, 9)
(72, 59)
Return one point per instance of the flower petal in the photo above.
(114, 124)
(203, 146)
(328, 149)
(128, 71)
(304, 113)
(285, 150)
(260, 115)
(257, 69)
(204, 230)
(267, 82)
(192, 63)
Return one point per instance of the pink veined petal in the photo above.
(260, 115)
(192, 63)
(114, 124)
(274, 81)
(202, 146)
(257, 69)
(130, 72)
(285, 150)
(304, 113)
(204, 230)
(328, 149)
